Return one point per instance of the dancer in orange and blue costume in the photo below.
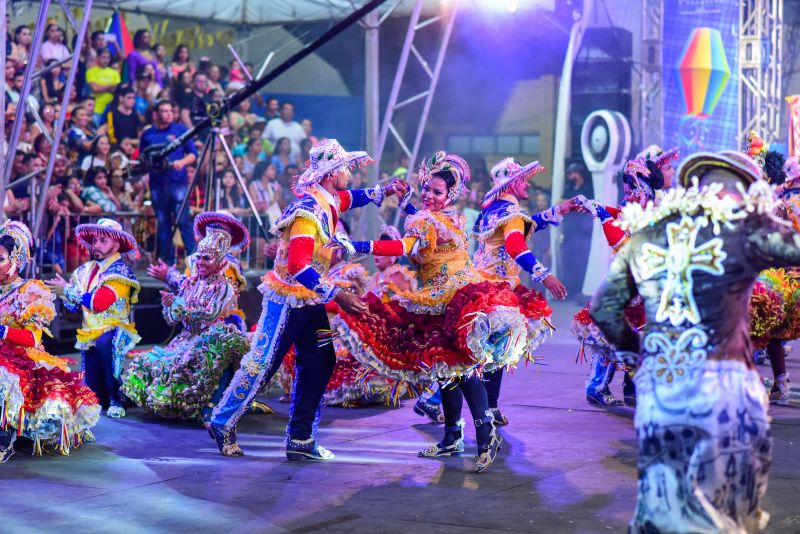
(40, 399)
(455, 327)
(501, 230)
(295, 294)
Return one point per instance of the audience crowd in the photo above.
(120, 106)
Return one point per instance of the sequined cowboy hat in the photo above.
(324, 158)
(506, 172)
(240, 237)
(86, 233)
(740, 165)
(23, 241)
(658, 156)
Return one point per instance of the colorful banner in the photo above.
(793, 103)
(700, 75)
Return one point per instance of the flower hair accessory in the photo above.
(23, 242)
(443, 162)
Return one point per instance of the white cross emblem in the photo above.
(679, 260)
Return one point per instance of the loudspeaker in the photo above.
(601, 78)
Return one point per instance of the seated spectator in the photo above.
(307, 126)
(236, 77)
(215, 79)
(103, 81)
(73, 191)
(286, 126)
(97, 42)
(251, 158)
(273, 109)
(54, 47)
(282, 157)
(242, 117)
(305, 152)
(42, 146)
(163, 70)
(52, 83)
(123, 121)
(266, 191)
(118, 161)
(123, 191)
(88, 103)
(153, 88)
(48, 117)
(97, 193)
(98, 154)
(80, 135)
(181, 63)
(142, 100)
(287, 178)
(142, 55)
(21, 46)
(232, 198)
(14, 91)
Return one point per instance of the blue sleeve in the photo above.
(546, 218)
(311, 279)
(362, 197)
(409, 209)
(531, 264)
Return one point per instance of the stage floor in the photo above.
(565, 467)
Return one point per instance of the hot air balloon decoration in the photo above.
(703, 72)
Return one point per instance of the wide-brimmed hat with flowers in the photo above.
(86, 234)
(506, 172)
(324, 158)
(240, 237)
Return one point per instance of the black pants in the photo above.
(453, 397)
(313, 368)
(492, 382)
(98, 363)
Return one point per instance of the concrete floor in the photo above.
(565, 467)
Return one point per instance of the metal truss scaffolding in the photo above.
(38, 186)
(651, 129)
(760, 42)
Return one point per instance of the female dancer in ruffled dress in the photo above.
(184, 379)
(454, 327)
(40, 399)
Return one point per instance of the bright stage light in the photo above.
(512, 5)
(508, 6)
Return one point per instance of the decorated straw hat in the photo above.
(658, 156)
(23, 242)
(86, 234)
(324, 158)
(505, 173)
(792, 169)
(240, 237)
(391, 232)
(444, 162)
(740, 165)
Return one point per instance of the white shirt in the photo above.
(292, 130)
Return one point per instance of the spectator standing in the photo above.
(97, 43)
(168, 189)
(252, 157)
(103, 80)
(123, 121)
(236, 79)
(142, 55)
(215, 79)
(124, 193)
(232, 198)
(48, 116)
(54, 47)
(181, 62)
(242, 117)
(273, 109)
(266, 191)
(286, 126)
(199, 90)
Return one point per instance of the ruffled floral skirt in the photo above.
(486, 326)
(774, 306)
(179, 380)
(351, 384)
(43, 401)
(593, 340)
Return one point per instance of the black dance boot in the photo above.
(451, 445)
(7, 438)
(629, 390)
(226, 441)
(488, 442)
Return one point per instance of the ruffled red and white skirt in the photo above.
(592, 339)
(46, 404)
(485, 326)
